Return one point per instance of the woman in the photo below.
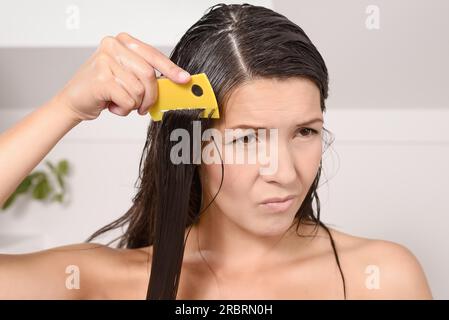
(208, 230)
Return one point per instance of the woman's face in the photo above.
(265, 103)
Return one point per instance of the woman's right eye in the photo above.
(245, 141)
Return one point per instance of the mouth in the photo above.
(278, 206)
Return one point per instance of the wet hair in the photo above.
(232, 44)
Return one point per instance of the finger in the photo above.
(120, 102)
(155, 58)
(142, 70)
(129, 81)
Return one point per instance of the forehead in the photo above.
(272, 102)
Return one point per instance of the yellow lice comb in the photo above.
(195, 94)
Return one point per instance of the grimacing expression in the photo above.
(267, 103)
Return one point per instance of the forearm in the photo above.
(25, 144)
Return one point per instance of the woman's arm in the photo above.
(78, 271)
(25, 144)
(120, 76)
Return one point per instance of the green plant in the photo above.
(40, 184)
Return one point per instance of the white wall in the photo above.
(75, 23)
(388, 108)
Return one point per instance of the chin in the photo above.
(274, 228)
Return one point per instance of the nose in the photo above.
(284, 171)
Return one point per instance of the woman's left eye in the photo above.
(312, 131)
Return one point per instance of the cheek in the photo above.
(316, 153)
(235, 177)
(307, 156)
(236, 181)
(309, 161)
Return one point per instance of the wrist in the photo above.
(61, 105)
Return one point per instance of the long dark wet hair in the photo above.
(232, 44)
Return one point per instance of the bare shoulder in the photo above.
(380, 269)
(78, 271)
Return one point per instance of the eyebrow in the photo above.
(250, 126)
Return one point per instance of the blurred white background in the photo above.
(386, 175)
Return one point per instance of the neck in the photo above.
(227, 248)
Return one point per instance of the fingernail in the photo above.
(184, 75)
